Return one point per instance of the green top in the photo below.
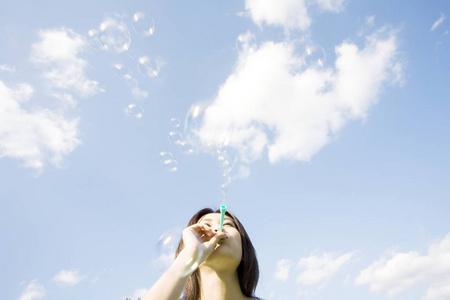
(223, 209)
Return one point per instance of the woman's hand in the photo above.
(201, 240)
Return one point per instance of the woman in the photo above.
(209, 264)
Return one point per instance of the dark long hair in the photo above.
(248, 270)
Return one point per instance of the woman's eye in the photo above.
(228, 224)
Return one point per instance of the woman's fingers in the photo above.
(216, 239)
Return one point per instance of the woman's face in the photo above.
(228, 254)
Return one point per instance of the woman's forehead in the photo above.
(214, 217)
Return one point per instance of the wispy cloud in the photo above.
(67, 278)
(438, 22)
(274, 101)
(35, 137)
(283, 269)
(58, 53)
(7, 68)
(319, 268)
(331, 5)
(34, 290)
(396, 272)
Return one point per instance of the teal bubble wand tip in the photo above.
(223, 209)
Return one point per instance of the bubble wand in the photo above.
(223, 209)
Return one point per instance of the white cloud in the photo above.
(34, 290)
(370, 20)
(321, 267)
(331, 5)
(273, 101)
(67, 278)
(291, 14)
(438, 22)
(34, 137)
(58, 53)
(283, 268)
(396, 272)
(7, 68)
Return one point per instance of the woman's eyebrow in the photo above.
(206, 220)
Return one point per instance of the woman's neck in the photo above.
(220, 285)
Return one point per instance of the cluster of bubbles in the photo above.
(224, 160)
(176, 138)
(113, 35)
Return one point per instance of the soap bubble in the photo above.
(170, 164)
(246, 42)
(167, 246)
(164, 157)
(94, 39)
(114, 36)
(174, 122)
(143, 24)
(134, 111)
(122, 71)
(149, 67)
(314, 56)
(186, 148)
(175, 137)
(97, 86)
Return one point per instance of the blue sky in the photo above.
(324, 123)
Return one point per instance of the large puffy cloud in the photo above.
(34, 137)
(34, 290)
(396, 272)
(273, 101)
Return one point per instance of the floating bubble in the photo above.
(314, 56)
(223, 161)
(149, 67)
(225, 186)
(246, 42)
(134, 111)
(114, 36)
(171, 165)
(167, 247)
(94, 39)
(175, 137)
(186, 148)
(143, 24)
(98, 87)
(174, 122)
(165, 157)
(122, 71)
